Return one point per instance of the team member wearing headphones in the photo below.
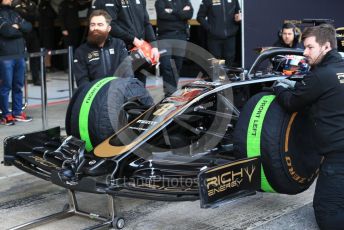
(287, 37)
(322, 89)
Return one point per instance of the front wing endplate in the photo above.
(226, 182)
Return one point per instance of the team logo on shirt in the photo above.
(340, 77)
(93, 56)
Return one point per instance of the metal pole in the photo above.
(70, 71)
(43, 90)
(25, 92)
(242, 35)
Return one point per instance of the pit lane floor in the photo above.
(24, 197)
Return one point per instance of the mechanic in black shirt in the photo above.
(288, 36)
(101, 55)
(172, 23)
(130, 22)
(323, 91)
(220, 19)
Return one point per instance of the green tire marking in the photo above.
(85, 110)
(254, 134)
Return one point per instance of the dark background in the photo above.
(263, 18)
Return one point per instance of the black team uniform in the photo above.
(217, 18)
(92, 62)
(323, 91)
(172, 23)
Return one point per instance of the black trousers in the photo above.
(328, 202)
(223, 49)
(171, 62)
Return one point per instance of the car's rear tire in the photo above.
(285, 143)
(93, 114)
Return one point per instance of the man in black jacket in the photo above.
(220, 19)
(323, 91)
(287, 36)
(12, 71)
(172, 23)
(130, 22)
(102, 55)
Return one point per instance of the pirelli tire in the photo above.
(93, 113)
(285, 143)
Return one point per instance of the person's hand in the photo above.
(186, 8)
(137, 42)
(15, 26)
(289, 83)
(237, 17)
(65, 32)
(155, 55)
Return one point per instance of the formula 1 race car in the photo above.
(210, 140)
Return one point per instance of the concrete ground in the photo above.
(24, 197)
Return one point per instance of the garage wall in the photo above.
(263, 18)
